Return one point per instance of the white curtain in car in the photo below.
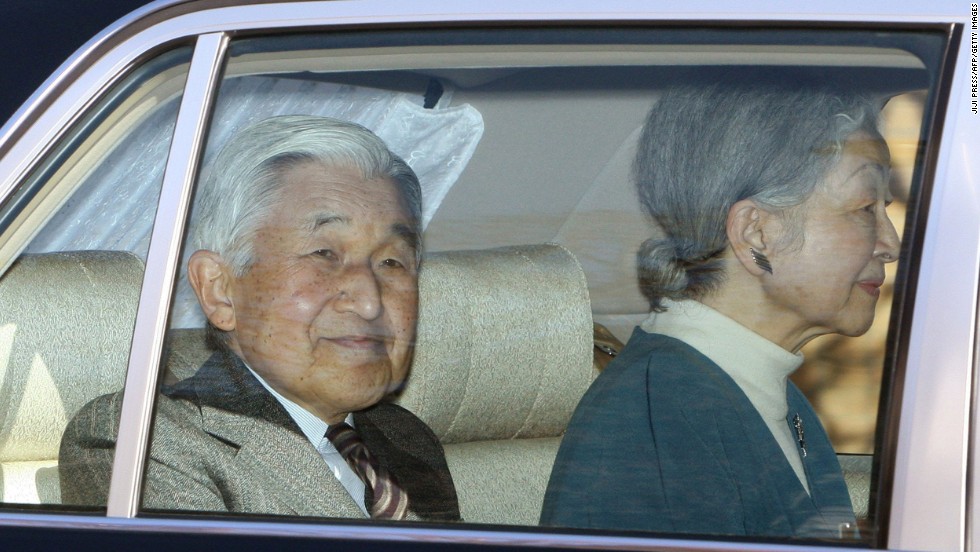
(114, 207)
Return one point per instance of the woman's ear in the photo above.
(210, 278)
(746, 229)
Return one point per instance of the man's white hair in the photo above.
(243, 183)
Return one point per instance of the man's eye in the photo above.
(870, 208)
(325, 253)
(392, 263)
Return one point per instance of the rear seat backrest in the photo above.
(503, 355)
(66, 324)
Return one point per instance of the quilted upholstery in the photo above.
(857, 475)
(504, 353)
(504, 347)
(66, 323)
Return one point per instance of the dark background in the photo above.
(36, 36)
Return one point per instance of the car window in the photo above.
(81, 223)
(525, 143)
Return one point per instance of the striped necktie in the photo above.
(382, 495)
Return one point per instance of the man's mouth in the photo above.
(358, 342)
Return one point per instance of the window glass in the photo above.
(68, 299)
(549, 244)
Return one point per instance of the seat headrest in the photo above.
(66, 324)
(504, 346)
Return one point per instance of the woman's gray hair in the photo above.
(242, 184)
(704, 149)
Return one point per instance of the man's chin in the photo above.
(367, 396)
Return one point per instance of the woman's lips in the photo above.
(872, 288)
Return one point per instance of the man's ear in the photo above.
(210, 277)
(746, 228)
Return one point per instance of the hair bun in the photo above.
(660, 270)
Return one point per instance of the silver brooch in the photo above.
(800, 440)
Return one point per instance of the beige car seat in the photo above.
(66, 324)
(504, 354)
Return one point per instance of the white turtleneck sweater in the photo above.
(758, 366)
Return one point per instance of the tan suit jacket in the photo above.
(222, 443)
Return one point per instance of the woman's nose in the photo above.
(889, 244)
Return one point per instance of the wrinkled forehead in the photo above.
(345, 177)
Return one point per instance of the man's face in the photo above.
(326, 313)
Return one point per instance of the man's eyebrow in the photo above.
(408, 234)
(327, 218)
(401, 230)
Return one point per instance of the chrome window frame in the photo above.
(159, 277)
(942, 332)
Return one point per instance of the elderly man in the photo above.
(306, 267)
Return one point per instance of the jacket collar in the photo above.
(238, 411)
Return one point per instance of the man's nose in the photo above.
(358, 292)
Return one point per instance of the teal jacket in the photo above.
(666, 441)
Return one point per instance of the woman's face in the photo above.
(827, 277)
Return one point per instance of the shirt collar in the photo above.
(312, 427)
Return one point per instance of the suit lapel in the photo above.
(412, 453)
(282, 466)
(284, 472)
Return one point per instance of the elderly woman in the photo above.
(772, 205)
